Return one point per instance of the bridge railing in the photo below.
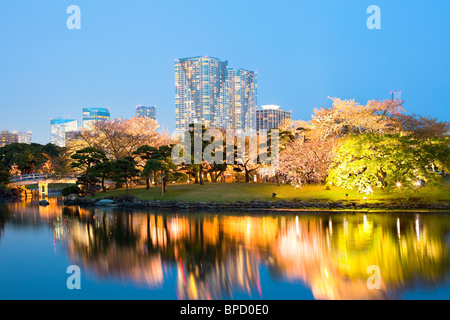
(41, 176)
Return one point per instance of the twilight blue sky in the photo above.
(304, 51)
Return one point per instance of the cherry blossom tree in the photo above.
(421, 127)
(119, 138)
(307, 155)
(347, 117)
(307, 160)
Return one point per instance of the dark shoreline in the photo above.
(285, 206)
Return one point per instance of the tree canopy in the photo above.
(161, 161)
(375, 160)
(30, 158)
(119, 138)
(123, 171)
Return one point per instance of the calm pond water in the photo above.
(183, 255)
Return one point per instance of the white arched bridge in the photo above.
(41, 178)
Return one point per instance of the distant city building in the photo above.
(91, 115)
(7, 138)
(71, 136)
(146, 112)
(59, 128)
(243, 99)
(270, 117)
(201, 92)
(396, 95)
(24, 136)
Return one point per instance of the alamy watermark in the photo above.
(74, 20)
(199, 145)
(374, 21)
(74, 281)
(374, 281)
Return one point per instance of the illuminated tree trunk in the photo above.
(278, 179)
(200, 174)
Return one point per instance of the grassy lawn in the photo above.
(230, 192)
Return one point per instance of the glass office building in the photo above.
(91, 115)
(59, 128)
(201, 93)
(243, 99)
(146, 112)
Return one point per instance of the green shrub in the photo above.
(72, 189)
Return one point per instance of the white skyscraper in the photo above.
(59, 128)
(243, 99)
(201, 93)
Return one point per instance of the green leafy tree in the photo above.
(123, 171)
(102, 170)
(197, 169)
(144, 153)
(374, 160)
(216, 170)
(245, 165)
(71, 189)
(4, 174)
(30, 158)
(200, 166)
(161, 161)
(286, 137)
(84, 160)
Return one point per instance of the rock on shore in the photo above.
(131, 202)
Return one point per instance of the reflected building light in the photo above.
(366, 224)
(327, 276)
(294, 253)
(283, 223)
(175, 229)
(417, 228)
(328, 241)
(330, 224)
(345, 227)
(180, 270)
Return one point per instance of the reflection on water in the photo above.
(215, 256)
